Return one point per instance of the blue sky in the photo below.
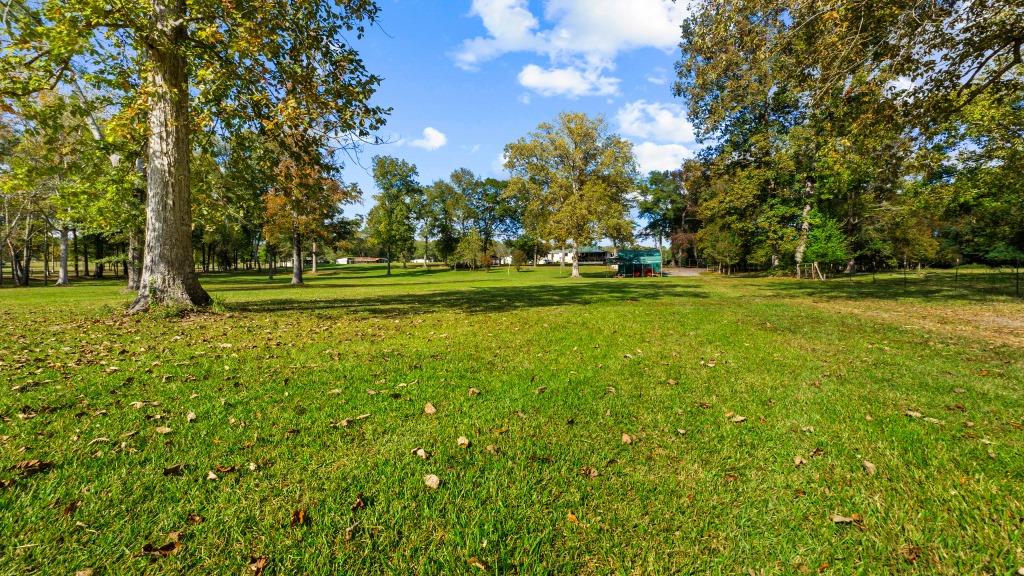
(466, 77)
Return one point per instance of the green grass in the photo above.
(825, 371)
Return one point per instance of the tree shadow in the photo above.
(479, 300)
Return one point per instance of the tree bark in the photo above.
(805, 226)
(388, 253)
(135, 242)
(168, 268)
(314, 258)
(296, 258)
(74, 243)
(575, 259)
(26, 253)
(62, 275)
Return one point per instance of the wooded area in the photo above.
(169, 139)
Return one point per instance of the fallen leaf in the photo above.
(477, 563)
(299, 518)
(428, 408)
(474, 392)
(913, 414)
(191, 417)
(359, 504)
(671, 382)
(910, 552)
(540, 390)
(421, 453)
(681, 431)
(463, 442)
(195, 519)
(175, 470)
(224, 469)
(164, 551)
(30, 467)
(931, 420)
(350, 531)
(799, 461)
(211, 476)
(626, 438)
(817, 452)
(257, 565)
(856, 519)
(84, 572)
(163, 430)
(738, 419)
(492, 449)
(869, 468)
(807, 429)
(588, 472)
(432, 481)
(572, 518)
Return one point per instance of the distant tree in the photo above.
(826, 244)
(471, 250)
(574, 180)
(391, 222)
(446, 204)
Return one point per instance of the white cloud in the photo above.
(661, 122)
(569, 81)
(651, 156)
(432, 139)
(581, 43)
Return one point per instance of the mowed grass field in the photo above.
(645, 426)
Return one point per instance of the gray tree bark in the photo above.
(314, 258)
(135, 243)
(296, 258)
(168, 270)
(62, 274)
(575, 259)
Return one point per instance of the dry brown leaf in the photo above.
(869, 468)
(572, 518)
(913, 414)
(163, 430)
(799, 461)
(211, 476)
(195, 518)
(474, 392)
(175, 470)
(681, 431)
(492, 449)
(359, 504)
(540, 390)
(855, 519)
(910, 552)
(84, 572)
(257, 565)
(191, 416)
(627, 439)
(737, 419)
(588, 472)
(299, 518)
(421, 453)
(30, 467)
(478, 563)
(169, 549)
(432, 481)
(671, 382)
(428, 408)
(463, 442)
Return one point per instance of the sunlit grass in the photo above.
(824, 371)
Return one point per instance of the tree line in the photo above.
(163, 139)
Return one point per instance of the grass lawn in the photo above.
(882, 427)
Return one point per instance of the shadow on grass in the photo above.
(971, 287)
(480, 300)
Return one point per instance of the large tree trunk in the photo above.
(805, 228)
(62, 275)
(168, 270)
(135, 242)
(296, 258)
(314, 258)
(575, 259)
